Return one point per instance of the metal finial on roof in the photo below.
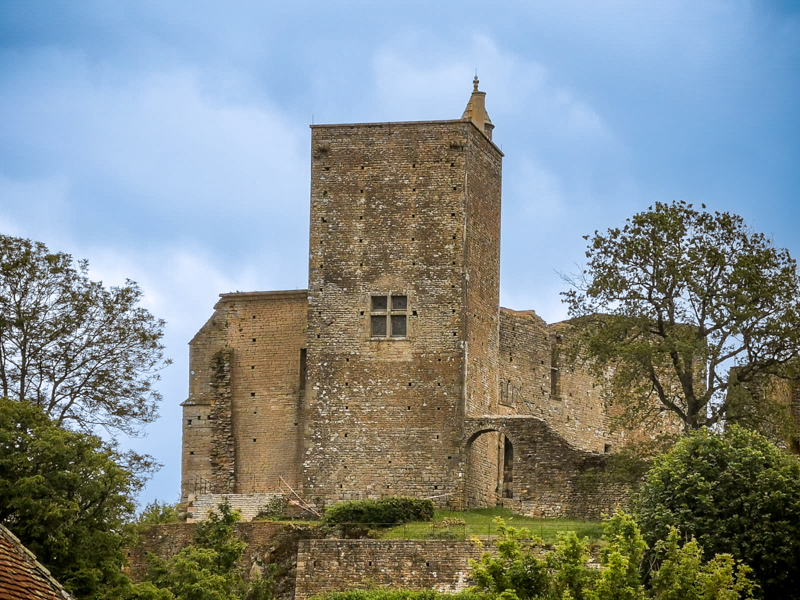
(475, 83)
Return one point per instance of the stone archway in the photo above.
(489, 466)
(548, 475)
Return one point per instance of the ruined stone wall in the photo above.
(196, 472)
(167, 540)
(340, 565)
(484, 470)
(540, 375)
(198, 434)
(388, 213)
(577, 408)
(524, 360)
(241, 425)
(551, 477)
(268, 338)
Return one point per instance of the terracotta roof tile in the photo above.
(22, 577)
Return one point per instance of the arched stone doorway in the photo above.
(489, 468)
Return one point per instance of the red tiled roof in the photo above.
(22, 577)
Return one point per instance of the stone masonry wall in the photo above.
(242, 421)
(249, 505)
(551, 478)
(482, 258)
(545, 383)
(167, 540)
(407, 210)
(388, 212)
(339, 565)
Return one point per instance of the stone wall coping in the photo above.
(525, 312)
(231, 296)
(385, 123)
(408, 123)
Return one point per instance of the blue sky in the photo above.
(168, 142)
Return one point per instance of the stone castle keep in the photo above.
(396, 372)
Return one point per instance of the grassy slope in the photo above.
(480, 522)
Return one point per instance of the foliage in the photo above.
(206, 570)
(86, 354)
(622, 558)
(393, 594)
(158, 513)
(67, 497)
(516, 568)
(522, 569)
(735, 493)
(387, 511)
(683, 576)
(674, 299)
(274, 510)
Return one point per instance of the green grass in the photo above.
(480, 522)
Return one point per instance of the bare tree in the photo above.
(88, 355)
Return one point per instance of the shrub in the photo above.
(524, 569)
(158, 513)
(389, 511)
(736, 493)
(273, 510)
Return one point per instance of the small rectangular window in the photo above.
(398, 326)
(378, 325)
(388, 318)
(378, 303)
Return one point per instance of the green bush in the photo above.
(522, 568)
(273, 510)
(389, 511)
(735, 493)
(158, 513)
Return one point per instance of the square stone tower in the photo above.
(402, 339)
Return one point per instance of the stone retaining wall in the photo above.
(167, 540)
(339, 565)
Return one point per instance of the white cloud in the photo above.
(157, 138)
(519, 90)
(43, 197)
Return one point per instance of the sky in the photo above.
(168, 141)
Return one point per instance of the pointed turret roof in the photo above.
(476, 110)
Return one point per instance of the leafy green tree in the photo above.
(683, 576)
(675, 301)
(88, 355)
(622, 557)
(206, 570)
(68, 497)
(158, 513)
(516, 571)
(568, 563)
(522, 569)
(736, 493)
